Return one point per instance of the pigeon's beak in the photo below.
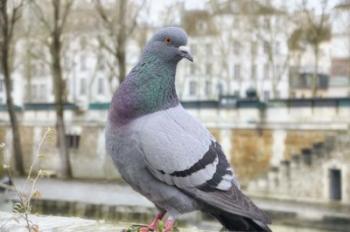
(185, 53)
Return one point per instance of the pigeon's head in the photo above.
(169, 44)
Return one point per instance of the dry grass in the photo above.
(22, 209)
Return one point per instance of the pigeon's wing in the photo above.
(232, 201)
(180, 151)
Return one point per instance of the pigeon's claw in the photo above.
(169, 224)
(145, 229)
(154, 223)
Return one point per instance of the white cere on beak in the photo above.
(185, 49)
(185, 53)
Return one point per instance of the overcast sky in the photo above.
(157, 7)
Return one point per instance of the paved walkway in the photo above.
(102, 192)
(112, 193)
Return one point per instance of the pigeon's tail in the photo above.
(234, 222)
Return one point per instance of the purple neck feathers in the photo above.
(149, 87)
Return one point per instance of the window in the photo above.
(83, 86)
(42, 93)
(208, 88)
(235, 21)
(266, 47)
(266, 95)
(193, 88)
(236, 47)
(66, 63)
(208, 68)
(192, 69)
(1, 85)
(83, 43)
(208, 49)
(278, 48)
(266, 71)
(279, 69)
(253, 71)
(201, 26)
(237, 72)
(277, 94)
(266, 23)
(34, 92)
(100, 86)
(101, 63)
(73, 141)
(82, 62)
(35, 69)
(220, 88)
(254, 48)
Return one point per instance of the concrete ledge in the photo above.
(10, 222)
(14, 223)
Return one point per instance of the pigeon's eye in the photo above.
(167, 40)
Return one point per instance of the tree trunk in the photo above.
(315, 76)
(28, 74)
(5, 64)
(349, 62)
(121, 41)
(59, 93)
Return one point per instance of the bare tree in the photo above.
(257, 22)
(267, 24)
(278, 66)
(316, 31)
(55, 23)
(9, 16)
(225, 49)
(170, 13)
(296, 48)
(219, 10)
(119, 22)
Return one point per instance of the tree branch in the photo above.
(103, 15)
(41, 16)
(105, 46)
(14, 17)
(66, 11)
(135, 17)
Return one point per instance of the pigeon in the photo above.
(167, 155)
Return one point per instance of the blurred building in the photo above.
(333, 77)
(90, 72)
(237, 45)
(340, 53)
(236, 48)
(309, 49)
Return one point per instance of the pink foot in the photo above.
(144, 229)
(154, 223)
(169, 224)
